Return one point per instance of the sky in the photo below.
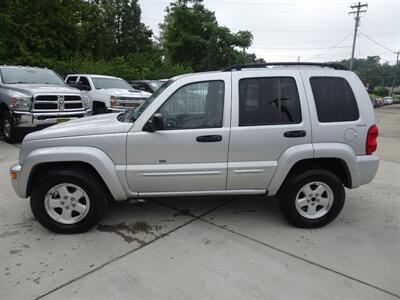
(309, 30)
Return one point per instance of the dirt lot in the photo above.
(211, 248)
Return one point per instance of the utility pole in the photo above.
(356, 10)
(394, 73)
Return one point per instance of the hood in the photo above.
(96, 125)
(32, 89)
(126, 93)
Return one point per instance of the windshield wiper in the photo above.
(18, 82)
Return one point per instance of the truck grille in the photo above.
(47, 103)
(130, 102)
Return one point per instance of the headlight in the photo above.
(21, 103)
(85, 100)
(114, 101)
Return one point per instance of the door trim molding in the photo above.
(203, 193)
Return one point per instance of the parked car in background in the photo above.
(388, 100)
(107, 93)
(299, 133)
(378, 102)
(146, 85)
(34, 97)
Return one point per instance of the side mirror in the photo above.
(73, 84)
(156, 122)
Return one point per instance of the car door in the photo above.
(269, 116)
(189, 156)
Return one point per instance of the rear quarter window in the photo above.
(334, 99)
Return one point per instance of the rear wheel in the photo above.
(69, 201)
(312, 199)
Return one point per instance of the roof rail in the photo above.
(239, 67)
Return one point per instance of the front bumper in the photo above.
(26, 119)
(15, 172)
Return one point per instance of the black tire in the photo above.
(292, 188)
(88, 181)
(99, 109)
(9, 134)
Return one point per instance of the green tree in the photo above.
(381, 91)
(191, 35)
(372, 71)
(132, 35)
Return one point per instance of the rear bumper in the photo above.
(367, 167)
(24, 119)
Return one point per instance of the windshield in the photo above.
(133, 115)
(155, 84)
(30, 75)
(110, 83)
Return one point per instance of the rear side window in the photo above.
(268, 101)
(334, 99)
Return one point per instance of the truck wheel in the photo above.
(312, 199)
(97, 110)
(69, 200)
(8, 127)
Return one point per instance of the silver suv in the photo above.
(34, 97)
(301, 132)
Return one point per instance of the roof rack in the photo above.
(239, 67)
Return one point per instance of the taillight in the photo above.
(371, 144)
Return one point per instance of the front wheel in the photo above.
(312, 199)
(8, 127)
(69, 201)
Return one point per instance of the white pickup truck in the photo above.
(107, 93)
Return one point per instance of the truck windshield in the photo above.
(110, 83)
(133, 115)
(30, 76)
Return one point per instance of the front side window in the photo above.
(30, 76)
(334, 99)
(196, 105)
(268, 101)
(85, 82)
(72, 79)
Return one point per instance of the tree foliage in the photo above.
(372, 71)
(381, 91)
(192, 36)
(108, 37)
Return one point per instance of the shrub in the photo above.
(381, 91)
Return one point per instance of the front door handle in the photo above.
(209, 138)
(295, 134)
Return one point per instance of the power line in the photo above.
(330, 48)
(357, 12)
(383, 46)
(298, 48)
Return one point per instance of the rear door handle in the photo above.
(209, 138)
(295, 134)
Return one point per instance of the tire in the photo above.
(313, 210)
(8, 128)
(97, 110)
(76, 219)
